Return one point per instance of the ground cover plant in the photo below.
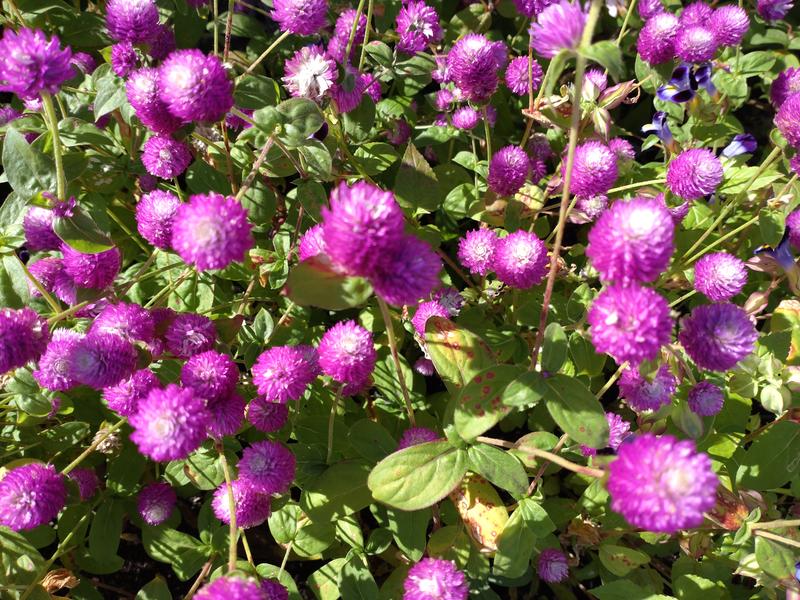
(420, 299)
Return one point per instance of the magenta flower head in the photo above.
(473, 63)
(424, 366)
(131, 20)
(269, 466)
(190, 334)
(101, 360)
(283, 373)
(661, 484)
(417, 435)
(729, 24)
(96, 271)
(622, 148)
(143, 95)
(435, 579)
(341, 35)
(508, 170)
(126, 320)
(86, 481)
(788, 119)
(38, 227)
(408, 273)
(630, 323)
(425, 311)
(123, 59)
(162, 42)
(169, 423)
(362, 223)
(719, 276)
(45, 270)
(310, 73)
(251, 505)
(31, 495)
(195, 87)
(706, 399)
(32, 64)
(558, 27)
(531, 8)
(418, 27)
(347, 353)
(311, 243)
(227, 415)
(552, 566)
(53, 372)
(594, 169)
(466, 118)
(656, 43)
(274, 590)
(266, 415)
(211, 231)
(643, 394)
(588, 208)
(649, 8)
(155, 213)
(618, 430)
(300, 17)
(348, 93)
(476, 251)
(694, 174)
(774, 10)
(520, 260)
(696, 14)
(86, 63)
(211, 375)
(632, 241)
(784, 85)
(696, 44)
(516, 76)
(156, 502)
(717, 336)
(231, 588)
(165, 157)
(793, 228)
(124, 397)
(23, 337)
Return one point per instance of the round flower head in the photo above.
(300, 17)
(694, 174)
(706, 399)
(161, 43)
(251, 504)
(283, 373)
(618, 430)
(558, 27)
(588, 208)
(466, 118)
(594, 169)
(417, 435)
(38, 228)
(92, 270)
(266, 415)
(729, 24)
(86, 63)
(661, 484)
(788, 120)
(8, 114)
(473, 63)
(211, 375)
(129, 321)
(520, 260)
(362, 223)
(53, 372)
(124, 397)
(341, 35)
(450, 299)
(164, 157)
(774, 10)
(211, 231)
(632, 241)
(156, 502)
(425, 311)
(424, 366)
(231, 588)
(508, 170)
(444, 99)
(630, 323)
(717, 336)
(622, 148)
(696, 44)
(531, 8)
(45, 271)
(696, 14)
(596, 81)
(347, 353)
(169, 423)
(347, 94)
(101, 360)
(399, 132)
(31, 495)
(274, 590)
(123, 59)
(552, 566)
(310, 73)
(656, 43)
(539, 153)
(131, 20)
(23, 337)
(516, 76)
(155, 213)
(269, 466)
(227, 415)
(793, 227)
(418, 27)
(190, 334)
(151, 110)
(311, 243)
(719, 276)
(195, 87)
(649, 8)
(435, 579)
(784, 85)
(32, 64)
(86, 481)
(408, 273)
(642, 394)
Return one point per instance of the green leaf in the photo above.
(575, 409)
(776, 560)
(625, 590)
(607, 54)
(316, 159)
(755, 63)
(766, 463)
(515, 543)
(380, 53)
(356, 582)
(457, 353)
(770, 223)
(584, 356)
(693, 587)
(621, 560)
(106, 528)
(416, 185)
(371, 440)
(185, 553)
(414, 74)
(525, 390)
(21, 561)
(359, 122)
(301, 119)
(157, 589)
(339, 491)
(557, 65)
(480, 406)
(28, 171)
(81, 233)
(314, 283)
(376, 157)
(325, 581)
(256, 91)
(501, 468)
(14, 290)
(409, 529)
(111, 93)
(554, 349)
(418, 476)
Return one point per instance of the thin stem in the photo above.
(282, 320)
(233, 530)
(200, 578)
(247, 551)
(216, 27)
(387, 320)
(366, 36)
(228, 162)
(487, 134)
(551, 457)
(722, 239)
(285, 558)
(776, 524)
(266, 53)
(353, 30)
(229, 26)
(251, 176)
(52, 126)
(331, 421)
(135, 279)
(636, 185)
(686, 296)
(777, 538)
(627, 18)
(68, 313)
(94, 445)
(170, 288)
(540, 473)
(37, 284)
(607, 386)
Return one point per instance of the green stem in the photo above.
(52, 126)
(266, 53)
(67, 313)
(722, 239)
(553, 458)
(637, 185)
(231, 508)
(387, 320)
(617, 374)
(686, 296)
(331, 421)
(366, 36)
(353, 31)
(170, 288)
(216, 27)
(97, 441)
(487, 135)
(627, 18)
(45, 294)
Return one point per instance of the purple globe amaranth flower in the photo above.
(517, 79)
(596, 81)
(661, 484)
(8, 114)
(266, 415)
(195, 87)
(347, 353)
(531, 8)
(466, 118)
(729, 24)
(38, 228)
(23, 337)
(622, 148)
(32, 63)
(418, 27)
(95, 271)
(717, 336)
(588, 208)
(251, 505)
(650, 8)
(594, 169)
(190, 334)
(274, 590)
(520, 260)
(161, 43)
(643, 394)
(793, 228)
(630, 323)
(774, 10)
(283, 373)
(211, 375)
(86, 63)
(787, 120)
(618, 430)
(473, 63)
(165, 157)
(508, 170)
(310, 73)
(31, 495)
(361, 225)
(311, 243)
(143, 95)
(123, 59)
(632, 241)
(417, 435)
(476, 251)
(558, 27)
(227, 415)
(696, 44)
(45, 271)
(399, 132)
(694, 174)
(129, 321)
(231, 587)
(101, 360)
(552, 566)
(341, 35)
(784, 85)
(424, 366)
(435, 579)
(539, 152)
(155, 213)
(425, 311)
(706, 399)
(156, 502)
(347, 94)
(211, 231)
(124, 397)
(696, 14)
(53, 372)
(131, 20)
(407, 273)
(300, 17)
(656, 42)
(169, 423)
(719, 276)
(269, 466)
(86, 480)
(444, 99)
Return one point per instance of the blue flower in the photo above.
(659, 127)
(682, 87)
(743, 143)
(702, 74)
